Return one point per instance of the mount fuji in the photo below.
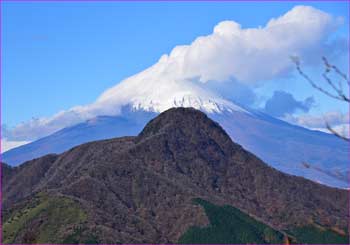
(128, 106)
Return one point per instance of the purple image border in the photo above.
(154, 1)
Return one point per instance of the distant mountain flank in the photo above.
(282, 145)
(173, 182)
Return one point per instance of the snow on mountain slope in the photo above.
(159, 96)
(157, 89)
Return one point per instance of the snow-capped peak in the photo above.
(154, 92)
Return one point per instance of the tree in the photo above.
(335, 90)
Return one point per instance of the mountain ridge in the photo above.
(151, 179)
(283, 146)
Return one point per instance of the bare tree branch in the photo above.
(337, 91)
(330, 129)
(337, 71)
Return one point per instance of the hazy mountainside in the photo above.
(103, 127)
(291, 149)
(314, 155)
(141, 189)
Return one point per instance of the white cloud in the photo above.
(343, 129)
(319, 121)
(40, 127)
(337, 120)
(246, 55)
(255, 54)
(7, 145)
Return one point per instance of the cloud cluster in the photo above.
(252, 55)
(337, 120)
(247, 56)
(7, 145)
(332, 117)
(40, 127)
(282, 103)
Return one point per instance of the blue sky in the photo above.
(59, 55)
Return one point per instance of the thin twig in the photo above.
(337, 71)
(330, 129)
(313, 84)
(338, 92)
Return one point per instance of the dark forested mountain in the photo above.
(179, 180)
